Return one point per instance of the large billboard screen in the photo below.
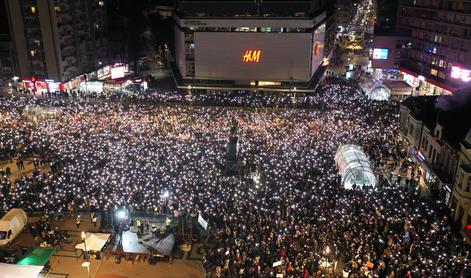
(253, 56)
(380, 54)
(117, 72)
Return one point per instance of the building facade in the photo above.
(7, 60)
(432, 138)
(58, 39)
(462, 189)
(386, 16)
(279, 45)
(439, 61)
(437, 53)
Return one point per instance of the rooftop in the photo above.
(250, 8)
(451, 112)
(423, 109)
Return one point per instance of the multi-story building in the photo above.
(430, 47)
(7, 60)
(439, 60)
(254, 45)
(386, 16)
(461, 200)
(433, 138)
(58, 39)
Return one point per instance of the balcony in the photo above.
(64, 19)
(65, 6)
(68, 52)
(65, 28)
(66, 40)
(70, 70)
(466, 168)
(460, 193)
(440, 19)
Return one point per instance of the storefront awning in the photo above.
(23, 271)
(38, 256)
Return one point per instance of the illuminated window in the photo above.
(246, 29)
(57, 9)
(269, 83)
(433, 72)
(101, 3)
(33, 9)
(441, 63)
(33, 52)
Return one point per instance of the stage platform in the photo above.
(147, 244)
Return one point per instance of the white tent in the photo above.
(94, 241)
(23, 271)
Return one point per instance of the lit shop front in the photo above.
(428, 176)
(94, 80)
(459, 77)
(38, 85)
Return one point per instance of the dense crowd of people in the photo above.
(287, 205)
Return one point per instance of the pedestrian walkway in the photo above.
(17, 173)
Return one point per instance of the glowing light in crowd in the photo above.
(111, 155)
(121, 214)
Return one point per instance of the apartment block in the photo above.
(58, 39)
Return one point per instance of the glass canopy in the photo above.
(354, 167)
(380, 93)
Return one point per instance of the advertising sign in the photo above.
(380, 53)
(117, 72)
(254, 56)
(460, 73)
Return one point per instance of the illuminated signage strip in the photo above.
(269, 83)
(460, 73)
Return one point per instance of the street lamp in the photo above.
(189, 90)
(85, 255)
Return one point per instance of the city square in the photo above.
(199, 159)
